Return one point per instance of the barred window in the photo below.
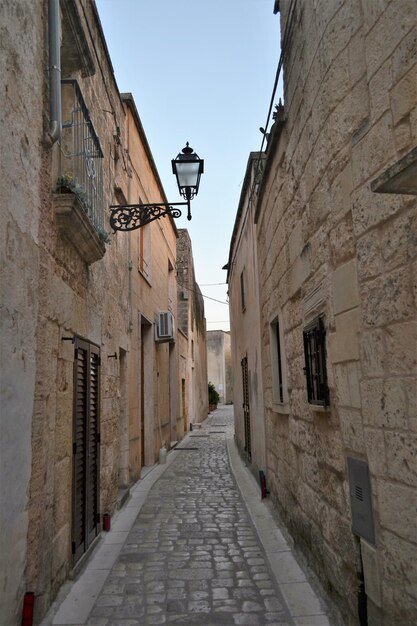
(315, 362)
(277, 369)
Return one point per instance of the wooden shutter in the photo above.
(86, 441)
(246, 406)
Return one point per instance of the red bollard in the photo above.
(106, 522)
(28, 605)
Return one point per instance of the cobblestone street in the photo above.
(192, 556)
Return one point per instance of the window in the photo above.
(277, 362)
(242, 290)
(315, 362)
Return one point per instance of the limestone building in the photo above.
(90, 387)
(336, 242)
(219, 364)
(191, 338)
(242, 277)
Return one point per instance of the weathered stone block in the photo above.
(387, 299)
(344, 343)
(353, 374)
(345, 289)
(412, 403)
(371, 572)
(375, 450)
(397, 509)
(369, 256)
(329, 446)
(369, 154)
(352, 429)
(340, 29)
(401, 454)
(341, 189)
(404, 96)
(357, 58)
(370, 209)
(62, 493)
(398, 560)
(399, 240)
(63, 426)
(401, 348)
(382, 39)
(403, 135)
(379, 87)
(346, 122)
(384, 403)
(342, 385)
(309, 470)
(342, 242)
(373, 353)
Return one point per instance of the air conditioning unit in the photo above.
(164, 327)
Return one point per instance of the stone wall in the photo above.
(21, 132)
(329, 246)
(75, 298)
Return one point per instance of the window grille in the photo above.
(279, 363)
(315, 362)
(81, 154)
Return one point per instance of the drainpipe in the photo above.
(55, 123)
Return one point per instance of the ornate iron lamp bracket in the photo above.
(126, 217)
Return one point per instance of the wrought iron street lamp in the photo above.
(187, 167)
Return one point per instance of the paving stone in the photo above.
(192, 556)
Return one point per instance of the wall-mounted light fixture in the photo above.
(187, 167)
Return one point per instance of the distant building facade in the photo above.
(192, 326)
(242, 277)
(336, 247)
(219, 363)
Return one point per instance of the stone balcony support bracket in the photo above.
(74, 224)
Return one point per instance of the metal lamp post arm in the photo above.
(127, 217)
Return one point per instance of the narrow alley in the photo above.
(190, 546)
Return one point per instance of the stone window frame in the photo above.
(144, 250)
(242, 290)
(278, 364)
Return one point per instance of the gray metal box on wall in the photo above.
(361, 499)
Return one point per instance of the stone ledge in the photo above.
(74, 225)
(400, 177)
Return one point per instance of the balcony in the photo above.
(78, 199)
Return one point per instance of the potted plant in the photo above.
(68, 183)
(213, 397)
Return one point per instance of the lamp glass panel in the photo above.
(187, 173)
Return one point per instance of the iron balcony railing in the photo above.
(81, 154)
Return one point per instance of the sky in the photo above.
(200, 71)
